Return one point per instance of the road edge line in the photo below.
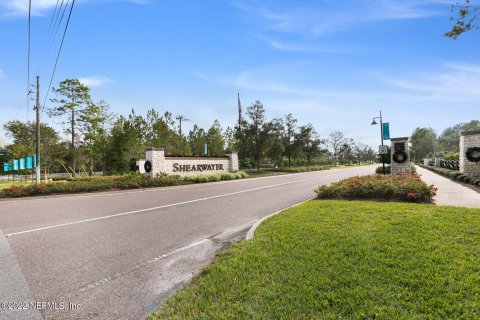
(251, 232)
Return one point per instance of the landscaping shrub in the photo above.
(379, 170)
(88, 184)
(202, 178)
(454, 175)
(297, 169)
(407, 188)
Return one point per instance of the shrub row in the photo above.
(87, 186)
(454, 175)
(405, 188)
(298, 169)
(100, 183)
(215, 177)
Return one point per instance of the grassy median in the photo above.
(344, 260)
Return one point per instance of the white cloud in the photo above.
(40, 7)
(451, 82)
(94, 81)
(325, 19)
(20, 7)
(1, 74)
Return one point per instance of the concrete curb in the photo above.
(251, 232)
(14, 288)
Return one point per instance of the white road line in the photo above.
(156, 208)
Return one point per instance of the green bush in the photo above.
(407, 188)
(202, 178)
(298, 169)
(452, 156)
(379, 170)
(88, 184)
(454, 175)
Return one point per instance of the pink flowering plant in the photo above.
(405, 188)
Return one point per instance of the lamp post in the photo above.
(381, 134)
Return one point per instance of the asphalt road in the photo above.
(119, 255)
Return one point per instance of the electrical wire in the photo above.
(28, 58)
(58, 55)
(54, 32)
(53, 15)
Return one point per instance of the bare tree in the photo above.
(335, 142)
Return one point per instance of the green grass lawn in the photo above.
(344, 260)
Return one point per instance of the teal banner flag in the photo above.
(29, 163)
(22, 163)
(15, 165)
(6, 167)
(386, 131)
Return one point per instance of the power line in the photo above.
(28, 58)
(53, 15)
(58, 55)
(54, 31)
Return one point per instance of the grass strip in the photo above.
(329, 259)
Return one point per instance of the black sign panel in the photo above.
(399, 147)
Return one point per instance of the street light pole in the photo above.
(381, 136)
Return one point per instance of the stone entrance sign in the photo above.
(157, 162)
(400, 156)
(470, 153)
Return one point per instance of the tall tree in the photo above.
(72, 96)
(307, 138)
(347, 151)
(423, 142)
(231, 143)
(466, 18)
(290, 130)
(449, 140)
(23, 135)
(197, 139)
(256, 135)
(93, 121)
(275, 144)
(216, 145)
(335, 142)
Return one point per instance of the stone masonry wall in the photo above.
(187, 165)
(469, 139)
(400, 168)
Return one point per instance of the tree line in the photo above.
(426, 143)
(102, 141)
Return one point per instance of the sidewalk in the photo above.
(450, 193)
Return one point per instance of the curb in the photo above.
(14, 288)
(251, 231)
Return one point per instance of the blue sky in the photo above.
(332, 63)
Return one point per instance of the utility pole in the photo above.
(37, 147)
(72, 123)
(239, 128)
(181, 118)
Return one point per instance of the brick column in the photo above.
(400, 144)
(469, 139)
(233, 161)
(156, 156)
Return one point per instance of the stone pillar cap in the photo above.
(469, 132)
(399, 139)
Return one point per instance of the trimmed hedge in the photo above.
(379, 170)
(87, 185)
(101, 183)
(298, 169)
(404, 188)
(454, 175)
(215, 177)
